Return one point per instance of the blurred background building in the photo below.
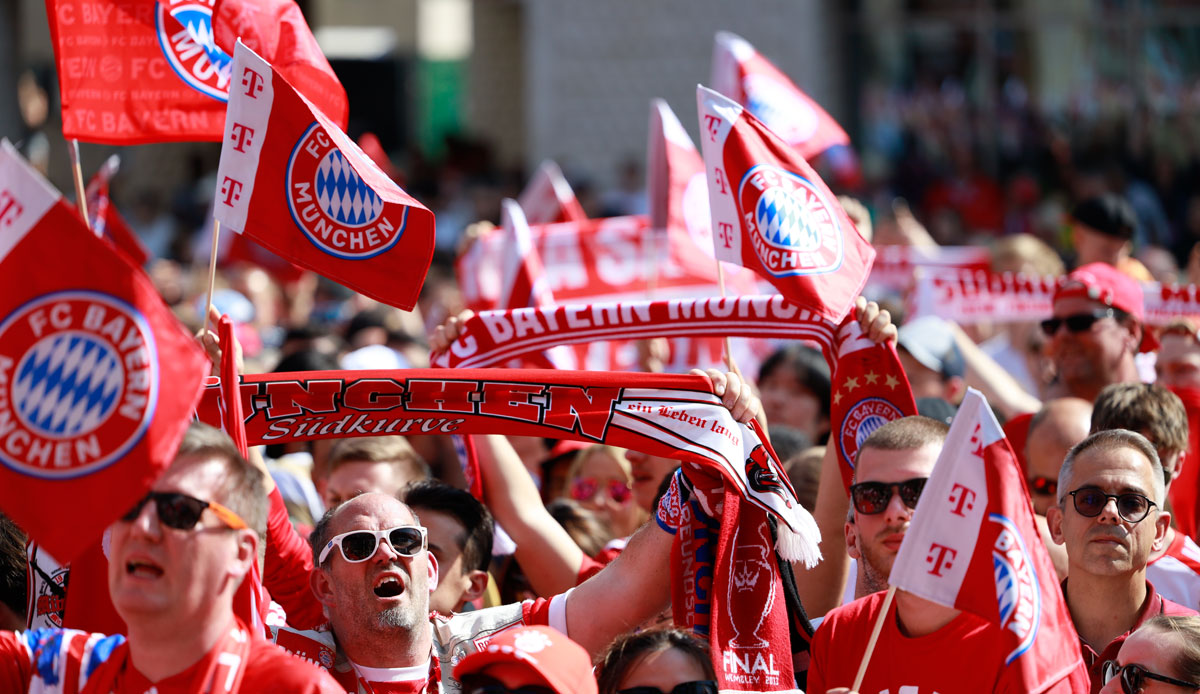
(988, 116)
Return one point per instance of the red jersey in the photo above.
(1153, 605)
(66, 661)
(963, 656)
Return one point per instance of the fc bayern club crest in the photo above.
(185, 35)
(793, 228)
(338, 212)
(780, 108)
(78, 383)
(861, 421)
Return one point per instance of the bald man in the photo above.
(1053, 431)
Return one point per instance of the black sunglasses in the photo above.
(1133, 675)
(873, 497)
(482, 684)
(182, 512)
(696, 687)
(1132, 507)
(1039, 484)
(1079, 322)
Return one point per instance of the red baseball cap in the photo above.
(562, 663)
(1107, 285)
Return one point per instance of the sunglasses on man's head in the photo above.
(1079, 322)
(873, 497)
(1134, 676)
(1132, 507)
(182, 512)
(483, 684)
(585, 488)
(1039, 484)
(360, 545)
(696, 687)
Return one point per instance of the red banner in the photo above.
(97, 378)
(138, 71)
(291, 180)
(548, 198)
(744, 75)
(773, 214)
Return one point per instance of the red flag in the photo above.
(773, 214)
(276, 30)
(869, 390)
(676, 189)
(138, 71)
(478, 269)
(297, 185)
(523, 282)
(371, 146)
(106, 221)
(742, 74)
(97, 378)
(548, 197)
(973, 545)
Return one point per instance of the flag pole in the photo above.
(883, 614)
(728, 345)
(80, 197)
(212, 269)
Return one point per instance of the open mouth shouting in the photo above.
(388, 586)
(140, 567)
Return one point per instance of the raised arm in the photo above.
(637, 585)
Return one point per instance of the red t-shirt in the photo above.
(963, 656)
(1155, 604)
(62, 660)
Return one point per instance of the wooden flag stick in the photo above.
(728, 345)
(80, 197)
(212, 270)
(883, 614)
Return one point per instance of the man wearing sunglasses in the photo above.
(373, 575)
(1159, 415)
(1109, 515)
(927, 647)
(176, 560)
(1096, 330)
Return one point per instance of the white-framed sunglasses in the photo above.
(360, 545)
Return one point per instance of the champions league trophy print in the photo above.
(751, 565)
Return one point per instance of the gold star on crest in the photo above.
(851, 384)
(891, 381)
(872, 378)
(837, 398)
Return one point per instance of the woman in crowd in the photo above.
(657, 661)
(602, 483)
(794, 385)
(1163, 655)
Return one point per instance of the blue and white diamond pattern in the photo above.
(67, 384)
(782, 221)
(343, 195)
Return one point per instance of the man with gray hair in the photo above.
(1109, 516)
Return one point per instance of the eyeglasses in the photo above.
(1132, 677)
(1079, 322)
(585, 488)
(1131, 507)
(1043, 485)
(873, 497)
(482, 684)
(182, 512)
(360, 545)
(697, 687)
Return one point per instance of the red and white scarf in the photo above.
(669, 415)
(492, 337)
